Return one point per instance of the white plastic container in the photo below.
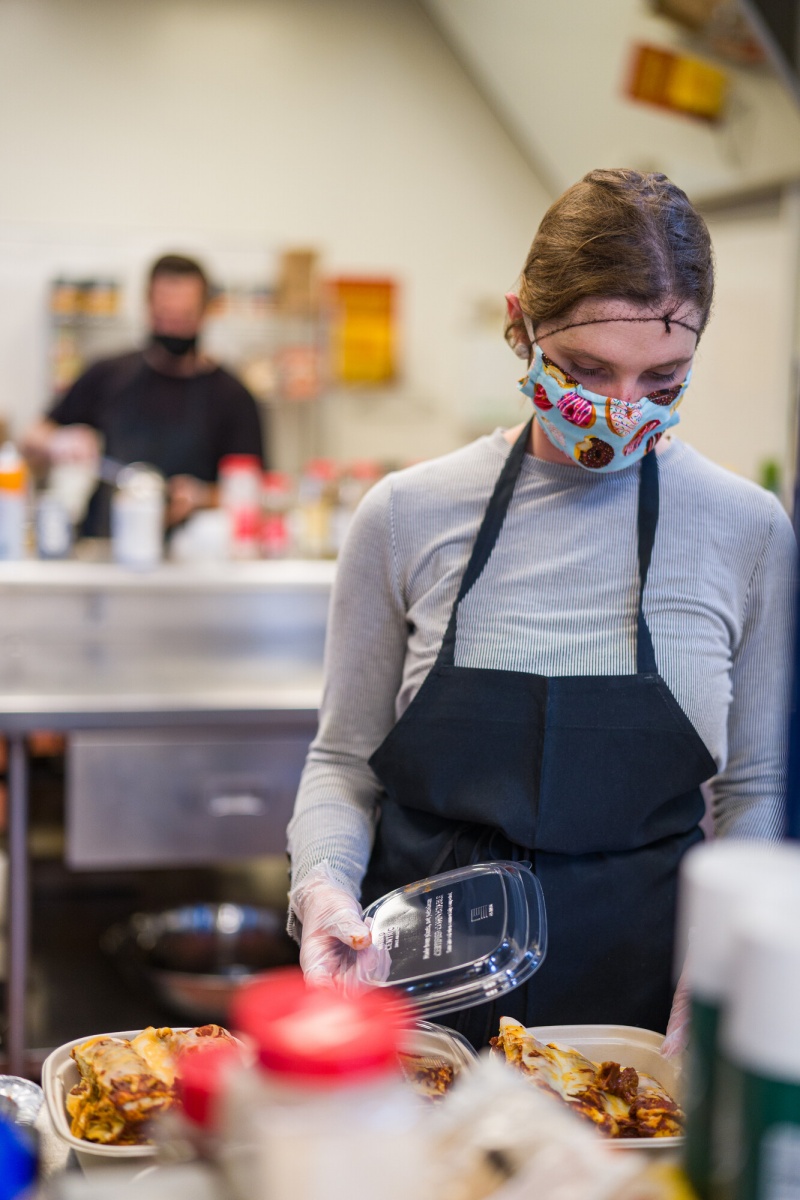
(53, 527)
(59, 1074)
(240, 498)
(719, 883)
(137, 517)
(13, 503)
(759, 1107)
(325, 1114)
(630, 1047)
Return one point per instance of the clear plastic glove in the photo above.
(678, 1028)
(336, 946)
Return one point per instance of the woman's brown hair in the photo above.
(620, 235)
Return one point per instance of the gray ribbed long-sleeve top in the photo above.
(557, 597)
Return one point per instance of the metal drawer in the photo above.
(172, 797)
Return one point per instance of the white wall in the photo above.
(739, 408)
(232, 128)
(558, 71)
(257, 123)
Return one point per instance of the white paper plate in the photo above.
(59, 1075)
(630, 1047)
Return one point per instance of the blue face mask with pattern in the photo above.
(599, 432)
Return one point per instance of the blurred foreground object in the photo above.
(721, 882)
(325, 1113)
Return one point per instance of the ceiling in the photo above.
(555, 72)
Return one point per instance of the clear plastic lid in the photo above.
(464, 937)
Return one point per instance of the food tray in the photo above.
(630, 1047)
(59, 1074)
(427, 1040)
(430, 1048)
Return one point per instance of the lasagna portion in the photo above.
(621, 1102)
(429, 1078)
(125, 1083)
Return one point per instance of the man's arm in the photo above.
(69, 431)
(46, 442)
(186, 495)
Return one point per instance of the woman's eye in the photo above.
(663, 378)
(579, 370)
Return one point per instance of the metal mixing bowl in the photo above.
(194, 958)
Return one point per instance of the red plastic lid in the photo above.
(318, 1034)
(364, 469)
(240, 462)
(321, 468)
(277, 481)
(200, 1079)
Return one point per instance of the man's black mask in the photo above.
(175, 345)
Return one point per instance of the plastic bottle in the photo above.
(137, 517)
(13, 502)
(276, 503)
(18, 1161)
(54, 532)
(324, 1113)
(240, 497)
(355, 482)
(719, 882)
(316, 498)
(760, 1046)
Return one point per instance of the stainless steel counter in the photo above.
(141, 669)
(78, 639)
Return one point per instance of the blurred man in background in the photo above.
(167, 404)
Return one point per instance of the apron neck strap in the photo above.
(492, 523)
(648, 520)
(488, 534)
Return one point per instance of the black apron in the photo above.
(595, 779)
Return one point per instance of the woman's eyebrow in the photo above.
(594, 358)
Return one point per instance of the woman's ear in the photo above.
(516, 333)
(513, 307)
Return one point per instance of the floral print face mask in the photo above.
(599, 432)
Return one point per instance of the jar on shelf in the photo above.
(240, 496)
(137, 517)
(316, 503)
(13, 502)
(277, 496)
(354, 483)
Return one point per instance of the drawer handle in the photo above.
(239, 804)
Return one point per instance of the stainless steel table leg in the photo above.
(18, 900)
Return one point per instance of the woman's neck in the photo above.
(539, 445)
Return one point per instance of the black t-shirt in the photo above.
(181, 425)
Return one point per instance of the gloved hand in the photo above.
(187, 494)
(75, 444)
(336, 946)
(678, 1028)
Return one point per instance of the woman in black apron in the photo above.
(595, 779)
